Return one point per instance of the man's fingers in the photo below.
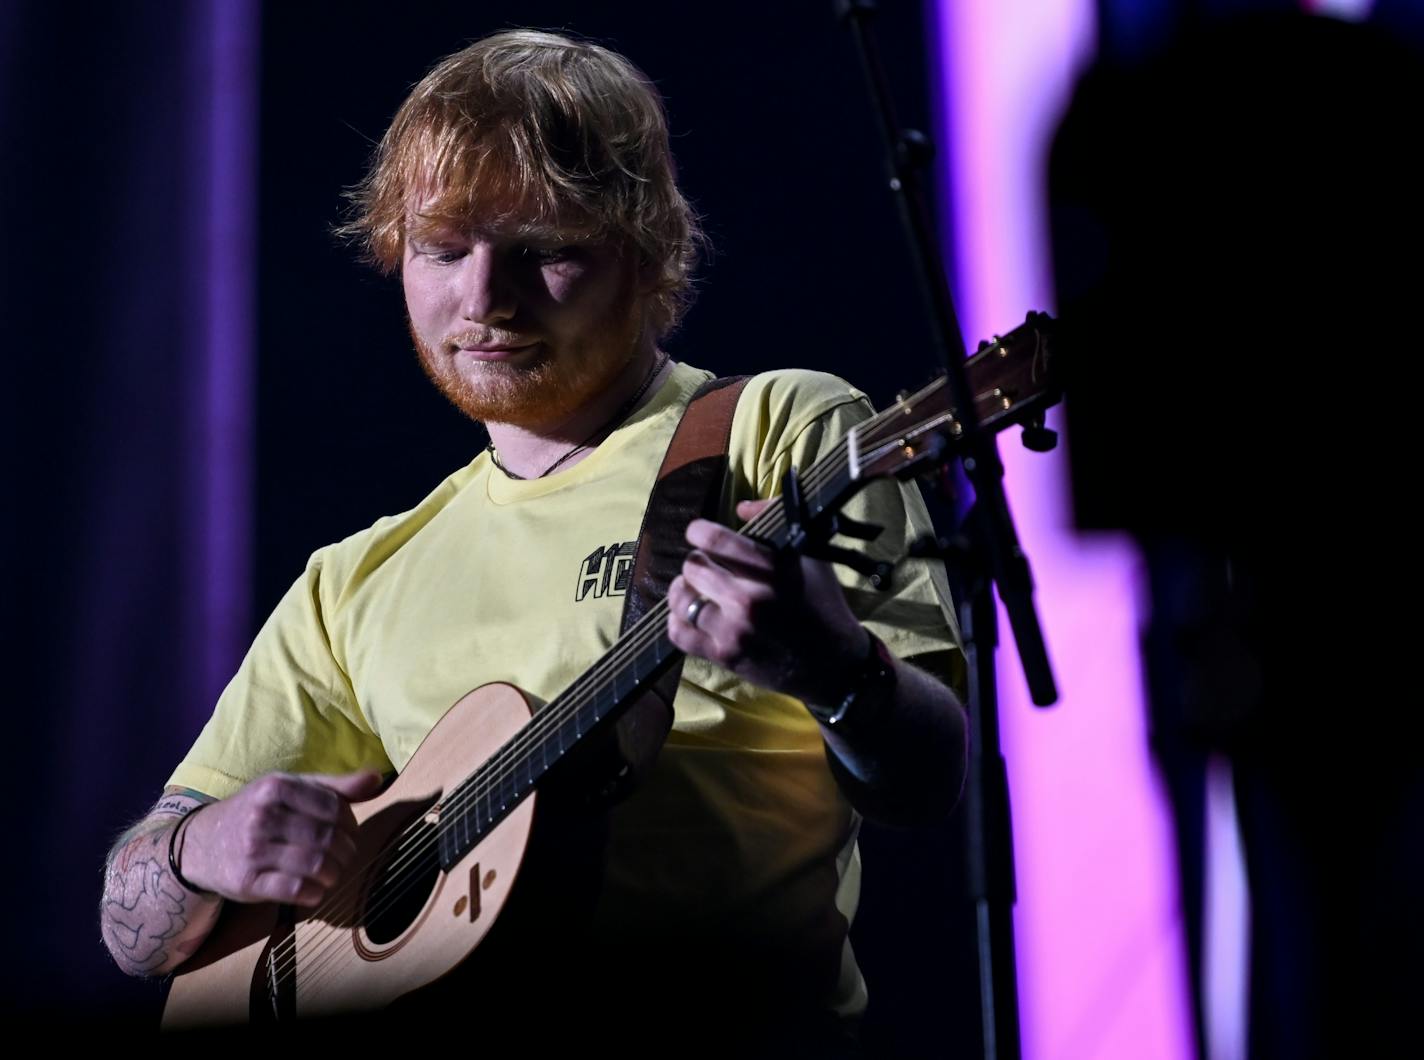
(689, 638)
(326, 796)
(305, 833)
(749, 510)
(707, 578)
(731, 548)
(298, 874)
(288, 889)
(278, 795)
(353, 787)
(309, 863)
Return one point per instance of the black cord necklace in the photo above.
(607, 427)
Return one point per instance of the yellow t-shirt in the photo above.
(740, 825)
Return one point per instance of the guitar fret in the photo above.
(588, 714)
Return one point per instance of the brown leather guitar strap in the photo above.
(688, 486)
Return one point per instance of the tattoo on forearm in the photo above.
(145, 910)
(144, 906)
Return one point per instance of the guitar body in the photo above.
(371, 942)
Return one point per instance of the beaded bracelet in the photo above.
(173, 861)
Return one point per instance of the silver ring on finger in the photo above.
(694, 611)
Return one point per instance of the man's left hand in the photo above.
(777, 621)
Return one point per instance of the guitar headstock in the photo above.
(1012, 380)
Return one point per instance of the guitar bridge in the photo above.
(272, 997)
(272, 993)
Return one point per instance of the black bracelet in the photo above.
(871, 687)
(173, 861)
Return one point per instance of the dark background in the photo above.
(105, 126)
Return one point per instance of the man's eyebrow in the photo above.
(550, 234)
(432, 238)
(547, 234)
(429, 228)
(538, 231)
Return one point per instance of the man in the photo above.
(525, 192)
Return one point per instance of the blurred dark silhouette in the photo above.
(1236, 228)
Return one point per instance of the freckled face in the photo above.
(521, 330)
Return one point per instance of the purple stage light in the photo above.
(1101, 951)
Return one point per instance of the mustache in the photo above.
(478, 336)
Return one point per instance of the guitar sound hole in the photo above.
(400, 889)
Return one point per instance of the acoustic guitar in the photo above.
(440, 849)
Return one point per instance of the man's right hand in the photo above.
(285, 837)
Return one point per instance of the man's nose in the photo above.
(488, 296)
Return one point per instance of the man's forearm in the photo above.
(907, 765)
(150, 922)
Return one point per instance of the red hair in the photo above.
(544, 130)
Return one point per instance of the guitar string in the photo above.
(829, 467)
(577, 698)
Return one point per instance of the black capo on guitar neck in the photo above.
(808, 535)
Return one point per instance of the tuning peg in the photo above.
(879, 573)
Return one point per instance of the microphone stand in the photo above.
(988, 553)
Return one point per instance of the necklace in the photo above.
(605, 428)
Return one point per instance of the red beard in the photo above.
(547, 389)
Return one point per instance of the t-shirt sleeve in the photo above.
(290, 707)
(799, 418)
